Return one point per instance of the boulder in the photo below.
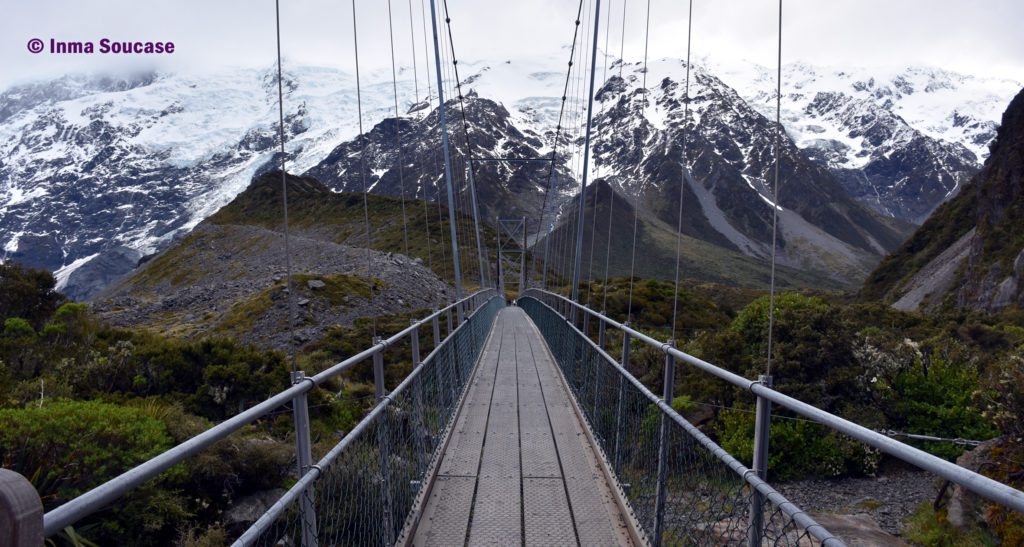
(966, 509)
(249, 509)
(315, 284)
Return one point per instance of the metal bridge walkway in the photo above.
(519, 467)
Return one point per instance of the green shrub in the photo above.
(27, 293)
(16, 327)
(798, 449)
(67, 447)
(930, 527)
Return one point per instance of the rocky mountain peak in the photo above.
(970, 253)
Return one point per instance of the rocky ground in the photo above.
(887, 499)
(231, 279)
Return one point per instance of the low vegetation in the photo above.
(81, 402)
(950, 375)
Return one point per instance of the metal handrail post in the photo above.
(762, 429)
(663, 442)
(382, 443)
(522, 263)
(436, 322)
(620, 405)
(601, 332)
(420, 423)
(304, 460)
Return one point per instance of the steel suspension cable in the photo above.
(683, 169)
(412, 40)
(449, 87)
(284, 196)
(398, 132)
(575, 233)
(419, 178)
(569, 226)
(775, 195)
(580, 217)
(436, 152)
(597, 165)
(636, 200)
(362, 163)
(611, 192)
(622, 43)
(554, 154)
(573, 104)
(465, 132)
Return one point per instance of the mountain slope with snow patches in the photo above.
(902, 141)
(92, 165)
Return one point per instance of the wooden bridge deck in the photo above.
(519, 468)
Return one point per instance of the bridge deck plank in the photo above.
(519, 468)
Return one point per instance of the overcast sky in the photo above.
(981, 37)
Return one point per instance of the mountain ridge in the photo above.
(133, 162)
(970, 253)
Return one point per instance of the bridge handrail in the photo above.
(97, 498)
(975, 482)
(307, 480)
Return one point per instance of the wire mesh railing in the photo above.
(779, 521)
(682, 488)
(363, 491)
(371, 477)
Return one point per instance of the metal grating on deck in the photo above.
(519, 468)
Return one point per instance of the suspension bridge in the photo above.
(518, 426)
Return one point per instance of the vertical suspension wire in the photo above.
(597, 169)
(593, 217)
(554, 157)
(412, 41)
(571, 164)
(453, 158)
(437, 169)
(443, 114)
(284, 195)
(398, 132)
(362, 162)
(684, 169)
(468, 153)
(636, 200)
(622, 43)
(419, 178)
(448, 265)
(775, 195)
(456, 219)
(571, 235)
(611, 194)
(581, 216)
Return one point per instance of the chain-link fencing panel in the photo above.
(706, 494)
(364, 491)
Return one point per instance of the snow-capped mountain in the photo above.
(729, 150)
(902, 141)
(90, 165)
(87, 165)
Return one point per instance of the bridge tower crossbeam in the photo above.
(511, 253)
